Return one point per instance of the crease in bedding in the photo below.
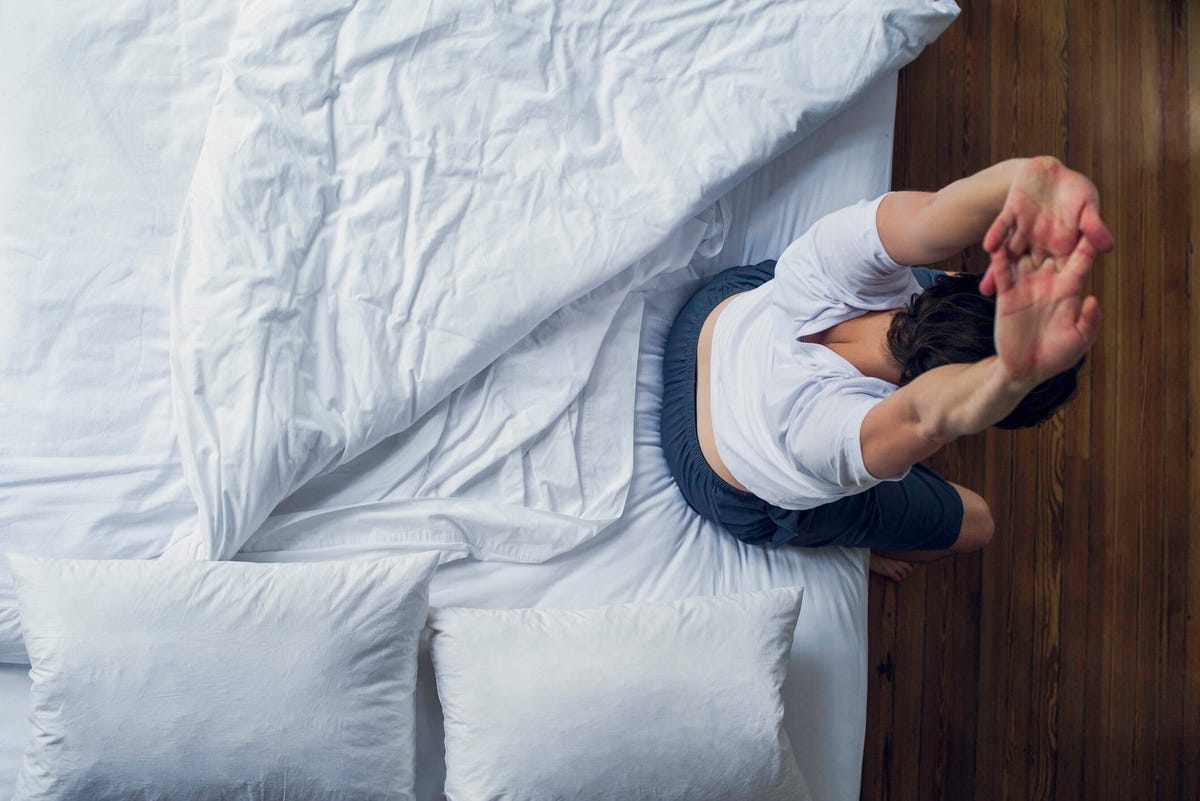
(519, 457)
(392, 202)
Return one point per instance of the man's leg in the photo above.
(921, 512)
(976, 532)
(920, 518)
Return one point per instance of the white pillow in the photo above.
(647, 701)
(206, 680)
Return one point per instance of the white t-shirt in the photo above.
(786, 414)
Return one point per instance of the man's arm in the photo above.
(926, 227)
(1043, 326)
(1043, 230)
(936, 408)
(1019, 206)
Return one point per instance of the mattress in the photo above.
(659, 549)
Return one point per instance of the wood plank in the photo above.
(1147, 27)
(1047, 562)
(1027, 529)
(1190, 746)
(877, 750)
(1103, 80)
(1131, 420)
(995, 639)
(1074, 669)
(1047, 566)
(1169, 748)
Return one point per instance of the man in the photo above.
(800, 397)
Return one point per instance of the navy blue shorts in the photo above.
(921, 512)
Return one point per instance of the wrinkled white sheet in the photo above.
(389, 198)
(527, 459)
(658, 549)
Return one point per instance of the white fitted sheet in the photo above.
(659, 549)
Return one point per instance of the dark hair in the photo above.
(952, 322)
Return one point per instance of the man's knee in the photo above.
(977, 526)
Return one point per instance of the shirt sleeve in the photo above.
(824, 432)
(839, 264)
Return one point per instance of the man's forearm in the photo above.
(922, 228)
(933, 410)
(961, 213)
(959, 399)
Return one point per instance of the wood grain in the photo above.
(1190, 731)
(1064, 661)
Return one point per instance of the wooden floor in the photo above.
(1064, 662)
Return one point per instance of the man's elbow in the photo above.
(934, 430)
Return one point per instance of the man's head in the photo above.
(951, 322)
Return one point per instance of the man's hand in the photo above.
(1048, 211)
(1043, 326)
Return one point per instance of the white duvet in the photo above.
(426, 221)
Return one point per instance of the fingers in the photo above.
(1003, 274)
(1094, 229)
(998, 233)
(1001, 271)
(1017, 243)
(1080, 260)
(987, 284)
(1089, 319)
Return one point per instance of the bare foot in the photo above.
(894, 569)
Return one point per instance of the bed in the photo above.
(92, 457)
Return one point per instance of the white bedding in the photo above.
(660, 550)
(104, 109)
(109, 116)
